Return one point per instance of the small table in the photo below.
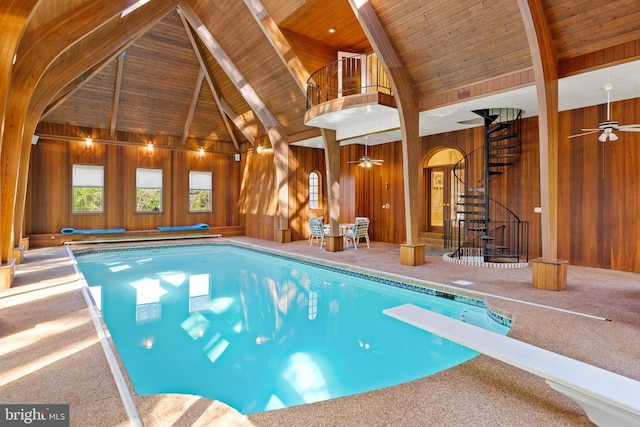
(345, 227)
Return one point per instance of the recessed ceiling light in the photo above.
(332, 30)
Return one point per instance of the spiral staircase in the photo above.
(484, 230)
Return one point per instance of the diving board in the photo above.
(607, 398)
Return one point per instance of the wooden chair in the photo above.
(316, 226)
(359, 231)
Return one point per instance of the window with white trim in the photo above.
(148, 190)
(314, 190)
(199, 191)
(88, 189)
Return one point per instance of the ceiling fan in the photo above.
(609, 126)
(366, 161)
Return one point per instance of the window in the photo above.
(88, 188)
(314, 190)
(148, 190)
(199, 191)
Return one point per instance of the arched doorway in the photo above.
(440, 183)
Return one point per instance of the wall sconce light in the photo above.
(259, 149)
(201, 151)
(88, 142)
(150, 147)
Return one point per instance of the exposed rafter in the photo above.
(407, 102)
(192, 106)
(275, 131)
(236, 77)
(240, 124)
(116, 94)
(212, 87)
(545, 69)
(36, 52)
(279, 43)
(71, 88)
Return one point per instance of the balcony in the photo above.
(354, 87)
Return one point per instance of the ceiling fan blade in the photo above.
(629, 128)
(376, 162)
(585, 133)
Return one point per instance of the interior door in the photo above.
(349, 73)
(440, 197)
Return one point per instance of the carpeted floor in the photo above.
(50, 351)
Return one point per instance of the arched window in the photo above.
(314, 190)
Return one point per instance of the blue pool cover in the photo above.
(198, 226)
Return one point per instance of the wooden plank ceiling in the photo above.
(166, 82)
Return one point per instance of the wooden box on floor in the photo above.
(549, 275)
(412, 255)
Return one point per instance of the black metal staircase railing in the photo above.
(348, 76)
(485, 230)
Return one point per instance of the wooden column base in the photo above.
(24, 242)
(18, 254)
(549, 275)
(412, 255)
(7, 272)
(333, 243)
(283, 236)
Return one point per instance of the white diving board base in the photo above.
(609, 399)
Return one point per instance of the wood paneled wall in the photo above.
(258, 195)
(49, 205)
(598, 190)
(599, 193)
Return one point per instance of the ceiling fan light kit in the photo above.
(366, 161)
(607, 128)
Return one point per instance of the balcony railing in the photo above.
(348, 76)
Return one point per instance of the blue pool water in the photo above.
(262, 332)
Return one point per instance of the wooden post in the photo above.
(553, 272)
(333, 243)
(412, 255)
(283, 235)
(549, 275)
(7, 271)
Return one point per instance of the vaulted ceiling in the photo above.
(205, 73)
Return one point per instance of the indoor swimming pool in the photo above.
(261, 330)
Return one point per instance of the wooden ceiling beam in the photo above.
(208, 76)
(13, 20)
(116, 94)
(75, 85)
(407, 102)
(192, 106)
(85, 58)
(545, 68)
(279, 42)
(240, 124)
(236, 77)
(275, 131)
(47, 36)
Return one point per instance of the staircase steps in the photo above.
(432, 241)
(501, 150)
(501, 137)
